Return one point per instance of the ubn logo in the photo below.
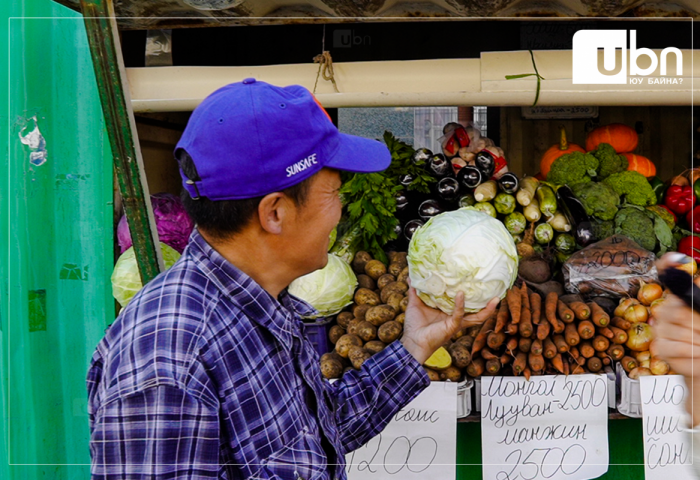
(348, 38)
(586, 65)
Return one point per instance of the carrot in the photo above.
(567, 370)
(476, 368)
(619, 335)
(536, 306)
(512, 329)
(606, 361)
(620, 322)
(571, 334)
(549, 350)
(525, 325)
(550, 308)
(598, 315)
(564, 312)
(527, 373)
(512, 344)
(607, 333)
(586, 329)
(616, 352)
(581, 310)
(600, 343)
(495, 340)
(536, 347)
(493, 366)
(561, 344)
(543, 329)
(573, 351)
(519, 363)
(487, 354)
(526, 296)
(559, 327)
(506, 359)
(578, 370)
(558, 363)
(480, 340)
(502, 317)
(629, 364)
(536, 362)
(586, 349)
(524, 344)
(515, 303)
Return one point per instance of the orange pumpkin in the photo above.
(556, 151)
(640, 164)
(621, 137)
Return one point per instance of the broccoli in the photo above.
(636, 224)
(598, 199)
(634, 186)
(603, 230)
(610, 161)
(573, 168)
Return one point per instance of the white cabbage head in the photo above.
(329, 289)
(464, 250)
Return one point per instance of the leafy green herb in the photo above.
(402, 164)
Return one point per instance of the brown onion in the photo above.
(691, 268)
(659, 366)
(639, 372)
(625, 303)
(639, 337)
(637, 313)
(648, 292)
(641, 356)
(645, 363)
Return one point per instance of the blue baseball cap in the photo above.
(250, 139)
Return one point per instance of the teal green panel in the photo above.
(56, 227)
(625, 444)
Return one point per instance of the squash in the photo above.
(556, 151)
(640, 164)
(621, 137)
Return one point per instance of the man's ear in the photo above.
(274, 209)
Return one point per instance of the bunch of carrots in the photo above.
(528, 336)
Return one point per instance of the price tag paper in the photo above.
(667, 448)
(420, 441)
(547, 428)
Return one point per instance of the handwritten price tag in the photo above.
(548, 428)
(667, 448)
(420, 441)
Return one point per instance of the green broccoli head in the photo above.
(603, 230)
(573, 168)
(636, 224)
(598, 199)
(610, 161)
(633, 186)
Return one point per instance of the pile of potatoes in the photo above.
(375, 319)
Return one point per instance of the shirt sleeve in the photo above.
(367, 399)
(157, 433)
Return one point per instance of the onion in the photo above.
(639, 337)
(645, 363)
(625, 303)
(659, 366)
(639, 372)
(641, 356)
(691, 268)
(637, 313)
(648, 292)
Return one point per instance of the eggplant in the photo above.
(509, 182)
(439, 166)
(469, 177)
(406, 179)
(573, 208)
(448, 189)
(421, 156)
(485, 162)
(398, 229)
(410, 228)
(429, 209)
(401, 201)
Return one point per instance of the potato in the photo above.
(389, 331)
(354, 326)
(342, 346)
(360, 311)
(366, 331)
(385, 280)
(461, 356)
(395, 268)
(432, 374)
(335, 332)
(364, 281)
(474, 331)
(344, 318)
(403, 276)
(451, 374)
(466, 340)
(391, 255)
(400, 318)
(439, 360)
(331, 368)
(358, 356)
(336, 357)
(400, 257)
(404, 304)
(374, 346)
(375, 269)
(393, 287)
(380, 314)
(395, 301)
(364, 296)
(360, 260)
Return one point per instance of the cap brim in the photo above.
(360, 155)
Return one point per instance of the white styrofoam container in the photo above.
(464, 397)
(629, 394)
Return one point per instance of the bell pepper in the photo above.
(659, 188)
(696, 188)
(680, 200)
(690, 246)
(693, 219)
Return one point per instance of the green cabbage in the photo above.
(329, 289)
(464, 250)
(126, 280)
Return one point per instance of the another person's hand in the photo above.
(426, 329)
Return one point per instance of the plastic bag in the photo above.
(173, 224)
(126, 280)
(610, 268)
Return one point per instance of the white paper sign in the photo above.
(667, 448)
(420, 441)
(547, 428)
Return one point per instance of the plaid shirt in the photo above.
(205, 375)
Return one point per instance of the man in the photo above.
(207, 372)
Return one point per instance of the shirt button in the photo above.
(248, 81)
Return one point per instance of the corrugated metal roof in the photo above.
(145, 14)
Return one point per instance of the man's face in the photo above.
(315, 219)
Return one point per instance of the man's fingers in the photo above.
(481, 316)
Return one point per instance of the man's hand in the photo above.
(427, 329)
